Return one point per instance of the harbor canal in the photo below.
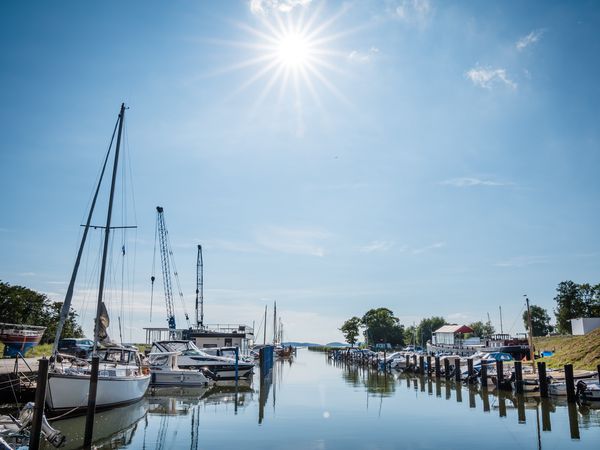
(312, 403)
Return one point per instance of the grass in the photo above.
(581, 351)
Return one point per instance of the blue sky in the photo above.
(433, 157)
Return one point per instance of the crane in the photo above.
(167, 260)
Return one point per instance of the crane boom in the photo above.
(166, 269)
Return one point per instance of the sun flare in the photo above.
(293, 50)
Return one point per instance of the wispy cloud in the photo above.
(487, 77)
(434, 246)
(361, 57)
(377, 246)
(528, 40)
(264, 7)
(299, 241)
(27, 274)
(473, 182)
(337, 187)
(522, 261)
(232, 246)
(413, 10)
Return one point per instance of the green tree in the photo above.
(410, 333)
(428, 326)
(21, 305)
(540, 321)
(482, 329)
(382, 326)
(351, 330)
(569, 305)
(590, 298)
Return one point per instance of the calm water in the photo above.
(313, 404)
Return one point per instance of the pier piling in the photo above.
(91, 409)
(428, 365)
(438, 371)
(571, 397)
(40, 399)
(446, 368)
(499, 374)
(422, 365)
(483, 373)
(543, 379)
(469, 370)
(457, 369)
(519, 380)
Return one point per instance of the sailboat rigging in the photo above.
(121, 379)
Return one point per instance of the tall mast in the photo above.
(274, 322)
(200, 289)
(501, 328)
(265, 329)
(107, 229)
(66, 306)
(531, 352)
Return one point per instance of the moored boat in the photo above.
(18, 339)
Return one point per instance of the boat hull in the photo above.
(67, 392)
(179, 378)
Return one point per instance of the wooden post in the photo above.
(457, 369)
(598, 373)
(415, 362)
(519, 381)
(570, 383)
(521, 409)
(485, 398)
(91, 409)
(38, 410)
(546, 424)
(573, 419)
(499, 374)
(483, 372)
(470, 369)
(438, 371)
(429, 371)
(407, 363)
(447, 368)
(542, 379)
(421, 365)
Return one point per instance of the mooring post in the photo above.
(446, 368)
(499, 374)
(570, 383)
(546, 424)
(415, 363)
(91, 410)
(422, 365)
(483, 372)
(598, 373)
(470, 369)
(237, 361)
(519, 380)
(428, 364)
(521, 409)
(407, 362)
(573, 419)
(438, 370)
(457, 369)
(38, 410)
(543, 379)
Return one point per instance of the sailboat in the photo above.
(122, 379)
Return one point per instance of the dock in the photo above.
(17, 379)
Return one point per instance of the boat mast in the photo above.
(531, 352)
(66, 306)
(107, 230)
(274, 322)
(200, 289)
(265, 329)
(501, 328)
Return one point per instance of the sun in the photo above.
(293, 50)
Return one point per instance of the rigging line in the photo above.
(517, 318)
(153, 277)
(176, 273)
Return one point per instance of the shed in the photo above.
(584, 325)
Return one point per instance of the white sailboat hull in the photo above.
(179, 378)
(66, 391)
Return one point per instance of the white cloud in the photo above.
(299, 241)
(360, 57)
(264, 7)
(377, 246)
(528, 40)
(413, 10)
(436, 245)
(522, 261)
(470, 181)
(487, 77)
(27, 274)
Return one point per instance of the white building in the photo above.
(584, 325)
(450, 334)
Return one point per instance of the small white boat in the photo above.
(165, 372)
(588, 391)
(121, 380)
(560, 388)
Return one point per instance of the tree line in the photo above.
(23, 306)
(379, 325)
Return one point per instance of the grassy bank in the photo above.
(324, 348)
(581, 351)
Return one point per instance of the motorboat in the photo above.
(191, 357)
(588, 391)
(165, 372)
